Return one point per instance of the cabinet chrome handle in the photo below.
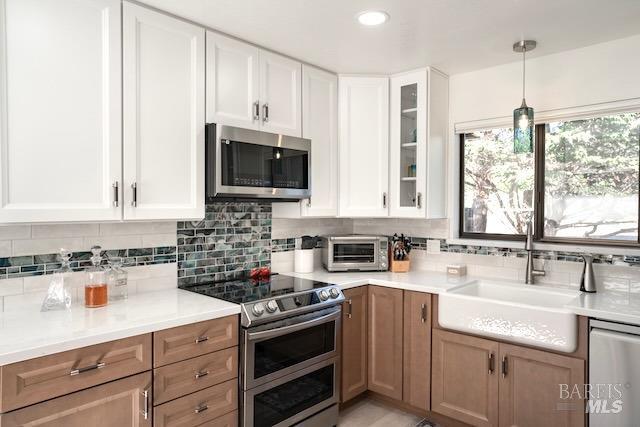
(505, 366)
(145, 405)
(201, 408)
(423, 313)
(134, 192)
(202, 339)
(116, 194)
(201, 374)
(309, 202)
(350, 312)
(78, 371)
(492, 363)
(384, 200)
(265, 112)
(256, 110)
(419, 200)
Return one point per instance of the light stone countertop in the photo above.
(615, 306)
(28, 333)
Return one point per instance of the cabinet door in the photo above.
(465, 378)
(417, 350)
(436, 153)
(320, 124)
(280, 88)
(364, 146)
(408, 141)
(530, 388)
(233, 82)
(385, 341)
(60, 110)
(354, 343)
(163, 116)
(122, 403)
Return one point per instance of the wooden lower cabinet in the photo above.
(465, 378)
(530, 391)
(485, 383)
(36, 380)
(184, 342)
(120, 403)
(181, 378)
(384, 331)
(198, 408)
(354, 343)
(416, 383)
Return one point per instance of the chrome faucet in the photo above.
(528, 246)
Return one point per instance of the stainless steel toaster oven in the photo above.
(355, 253)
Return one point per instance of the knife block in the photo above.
(397, 266)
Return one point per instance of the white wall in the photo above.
(601, 73)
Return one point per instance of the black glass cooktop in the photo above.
(250, 290)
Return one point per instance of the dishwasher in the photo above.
(614, 374)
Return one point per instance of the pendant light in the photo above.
(523, 116)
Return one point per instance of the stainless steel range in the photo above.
(289, 349)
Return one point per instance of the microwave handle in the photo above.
(253, 336)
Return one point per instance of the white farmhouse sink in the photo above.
(525, 314)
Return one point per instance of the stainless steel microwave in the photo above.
(244, 163)
(355, 253)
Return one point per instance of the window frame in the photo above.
(538, 204)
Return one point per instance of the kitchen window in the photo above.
(496, 199)
(586, 182)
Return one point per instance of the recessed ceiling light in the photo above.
(373, 17)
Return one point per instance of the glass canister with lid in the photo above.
(58, 296)
(117, 280)
(95, 287)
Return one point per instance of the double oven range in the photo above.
(289, 349)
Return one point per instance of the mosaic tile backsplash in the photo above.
(232, 239)
(36, 265)
(420, 243)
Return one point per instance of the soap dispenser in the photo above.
(587, 280)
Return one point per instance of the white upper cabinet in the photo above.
(364, 146)
(418, 130)
(320, 125)
(251, 88)
(60, 110)
(408, 140)
(164, 121)
(233, 82)
(280, 87)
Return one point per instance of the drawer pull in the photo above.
(201, 374)
(145, 408)
(201, 339)
(87, 368)
(201, 408)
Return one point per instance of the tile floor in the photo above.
(370, 413)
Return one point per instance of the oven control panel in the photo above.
(291, 305)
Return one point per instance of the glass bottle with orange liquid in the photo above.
(95, 287)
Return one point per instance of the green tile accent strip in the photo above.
(36, 265)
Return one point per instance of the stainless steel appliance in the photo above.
(355, 253)
(614, 374)
(289, 349)
(244, 163)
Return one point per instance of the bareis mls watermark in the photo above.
(600, 398)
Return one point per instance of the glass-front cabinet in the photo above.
(417, 144)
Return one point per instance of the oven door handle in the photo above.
(253, 336)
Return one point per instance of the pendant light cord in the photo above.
(524, 52)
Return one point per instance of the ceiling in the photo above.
(452, 35)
